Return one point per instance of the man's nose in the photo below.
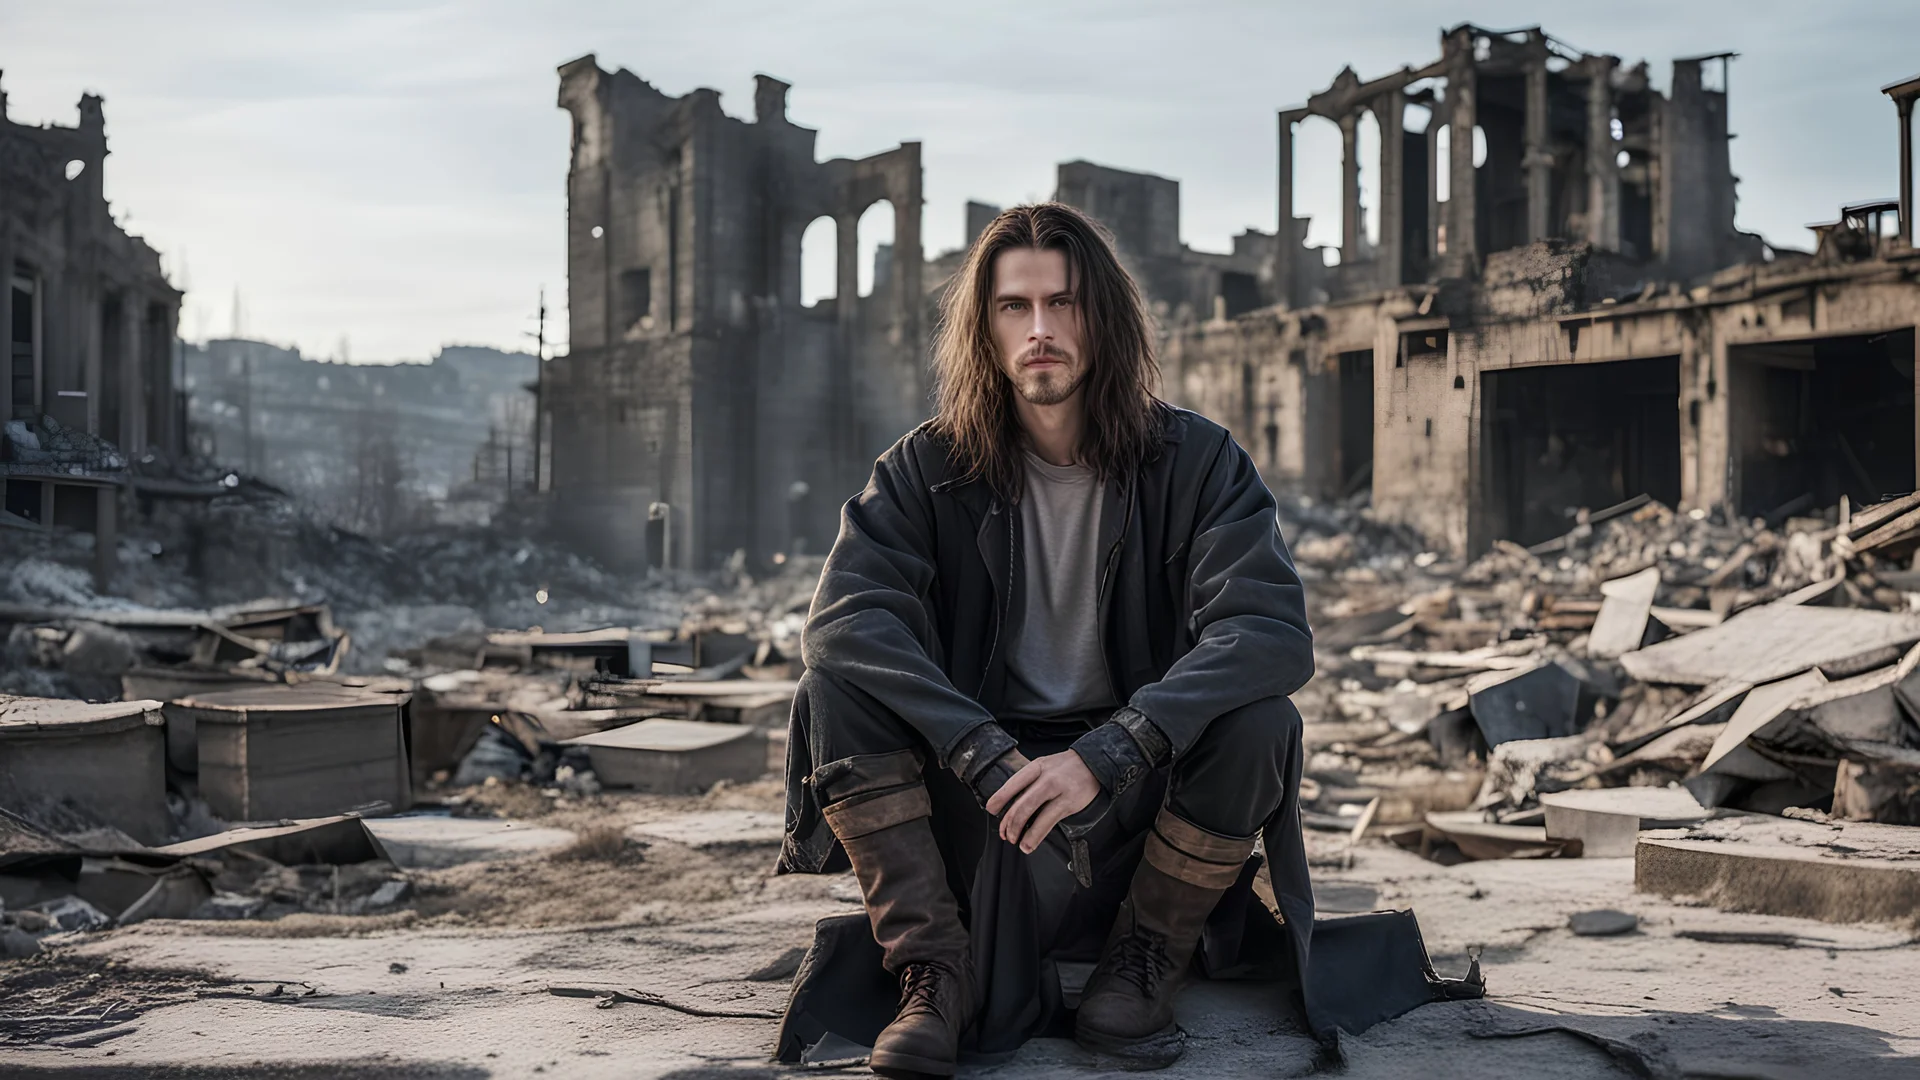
(1041, 328)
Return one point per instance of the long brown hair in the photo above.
(974, 407)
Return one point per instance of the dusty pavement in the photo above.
(458, 984)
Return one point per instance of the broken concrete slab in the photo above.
(715, 828)
(1768, 643)
(434, 841)
(1478, 838)
(69, 766)
(676, 756)
(304, 751)
(1863, 708)
(338, 840)
(1608, 821)
(1839, 872)
(1540, 702)
(1763, 706)
(1625, 610)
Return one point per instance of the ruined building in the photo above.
(702, 408)
(1551, 308)
(87, 374)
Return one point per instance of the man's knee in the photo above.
(1241, 770)
(1265, 730)
(838, 720)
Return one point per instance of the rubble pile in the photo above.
(1735, 665)
(207, 538)
(51, 885)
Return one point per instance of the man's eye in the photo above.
(1012, 305)
(1061, 301)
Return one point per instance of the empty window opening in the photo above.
(1815, 420)
(1239, 292)
(23, 499)
(1415, 237)
(23, 345)
(1356, 421)
(1317, 162)
(876, 247)
(636, 298)
(1424, 344)
(1442, 155)
(1573, 436)
(1367, 150)
(819, 262)
(75, 168)
(1499, 161)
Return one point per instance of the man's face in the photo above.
(1036, 325)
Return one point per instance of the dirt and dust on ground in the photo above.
(1425, 787)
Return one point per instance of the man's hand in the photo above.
(1041, 795)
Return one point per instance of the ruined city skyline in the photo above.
(422, 150)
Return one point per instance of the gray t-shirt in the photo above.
(1054, 664)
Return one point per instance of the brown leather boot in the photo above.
(880, 813)
(1127, 1007)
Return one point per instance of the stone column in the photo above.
(1349, 190)
(1603, 174)
(1905, 106)
(1462, 243)
(132, 436)
(6, 315)
(1390, 109)
(1286, 249)
(106, 535)
(1539, 151)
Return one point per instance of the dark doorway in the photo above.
(113, 362)
(1356, 420)
(1570, 436)
(1815, 420)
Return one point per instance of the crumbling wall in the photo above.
(88, 317)
(698, 392)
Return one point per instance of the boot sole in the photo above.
(908, 1066)
(1155, 1051)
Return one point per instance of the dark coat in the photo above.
(1201, 611)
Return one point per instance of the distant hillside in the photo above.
(378, 446)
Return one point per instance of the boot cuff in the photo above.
(863, 815)
(1186, 852)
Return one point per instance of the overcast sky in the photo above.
(393, 175)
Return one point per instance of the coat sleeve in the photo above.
(1249, 623)
(869, 625)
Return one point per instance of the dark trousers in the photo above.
(1026, 912)
(1232, 781)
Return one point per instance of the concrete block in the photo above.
(1841, 873)
(70, 766)
(298, 751)
(683, 756)
(1607, 821)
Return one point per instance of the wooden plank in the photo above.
(1865, 519)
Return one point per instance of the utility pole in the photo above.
(540, 391)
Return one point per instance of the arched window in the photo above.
(876, 246)
(1316, 180)
(819, 261)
